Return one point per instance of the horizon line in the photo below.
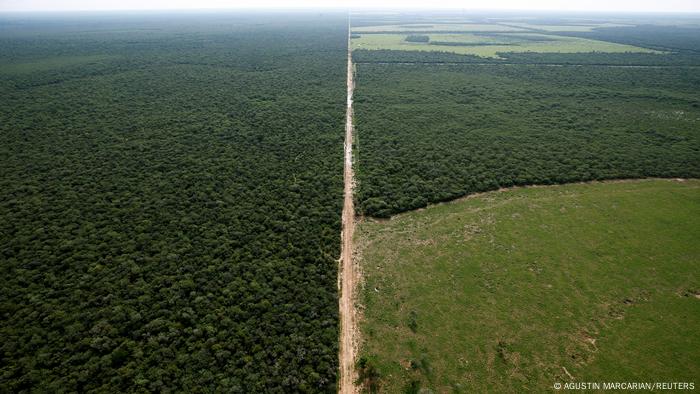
(343, 9)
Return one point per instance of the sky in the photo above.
(555, 5)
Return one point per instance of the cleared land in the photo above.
(561, 28)
(490, 45)
(503, 291)
(347, 279)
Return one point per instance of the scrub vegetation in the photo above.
(170, 202)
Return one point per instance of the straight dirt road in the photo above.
(347, 271)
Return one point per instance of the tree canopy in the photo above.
(170, 202)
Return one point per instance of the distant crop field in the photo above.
(490, 45)
(516, 290)
(564, 27)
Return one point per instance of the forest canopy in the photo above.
(482, 127)
(170, 202)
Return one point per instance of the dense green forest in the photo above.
(684, 39)
(674, 59)
(170, 202)
(429, 133)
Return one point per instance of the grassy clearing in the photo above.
(565, 27)
(475, 44)
(502, 291)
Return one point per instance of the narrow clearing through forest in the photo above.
(347, 271)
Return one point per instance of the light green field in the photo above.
(461, 27)
(471, 38)
(573, 27)
(512, 42)
(503, 291)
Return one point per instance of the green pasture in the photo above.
(490, 45)
(574, 27)
(515, 290)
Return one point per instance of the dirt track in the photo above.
(347, 270)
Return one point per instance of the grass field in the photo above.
(492, 44)
(567, 27)
(514, 290)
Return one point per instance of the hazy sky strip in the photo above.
(571, 5)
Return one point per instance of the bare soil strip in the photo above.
(347, 271)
